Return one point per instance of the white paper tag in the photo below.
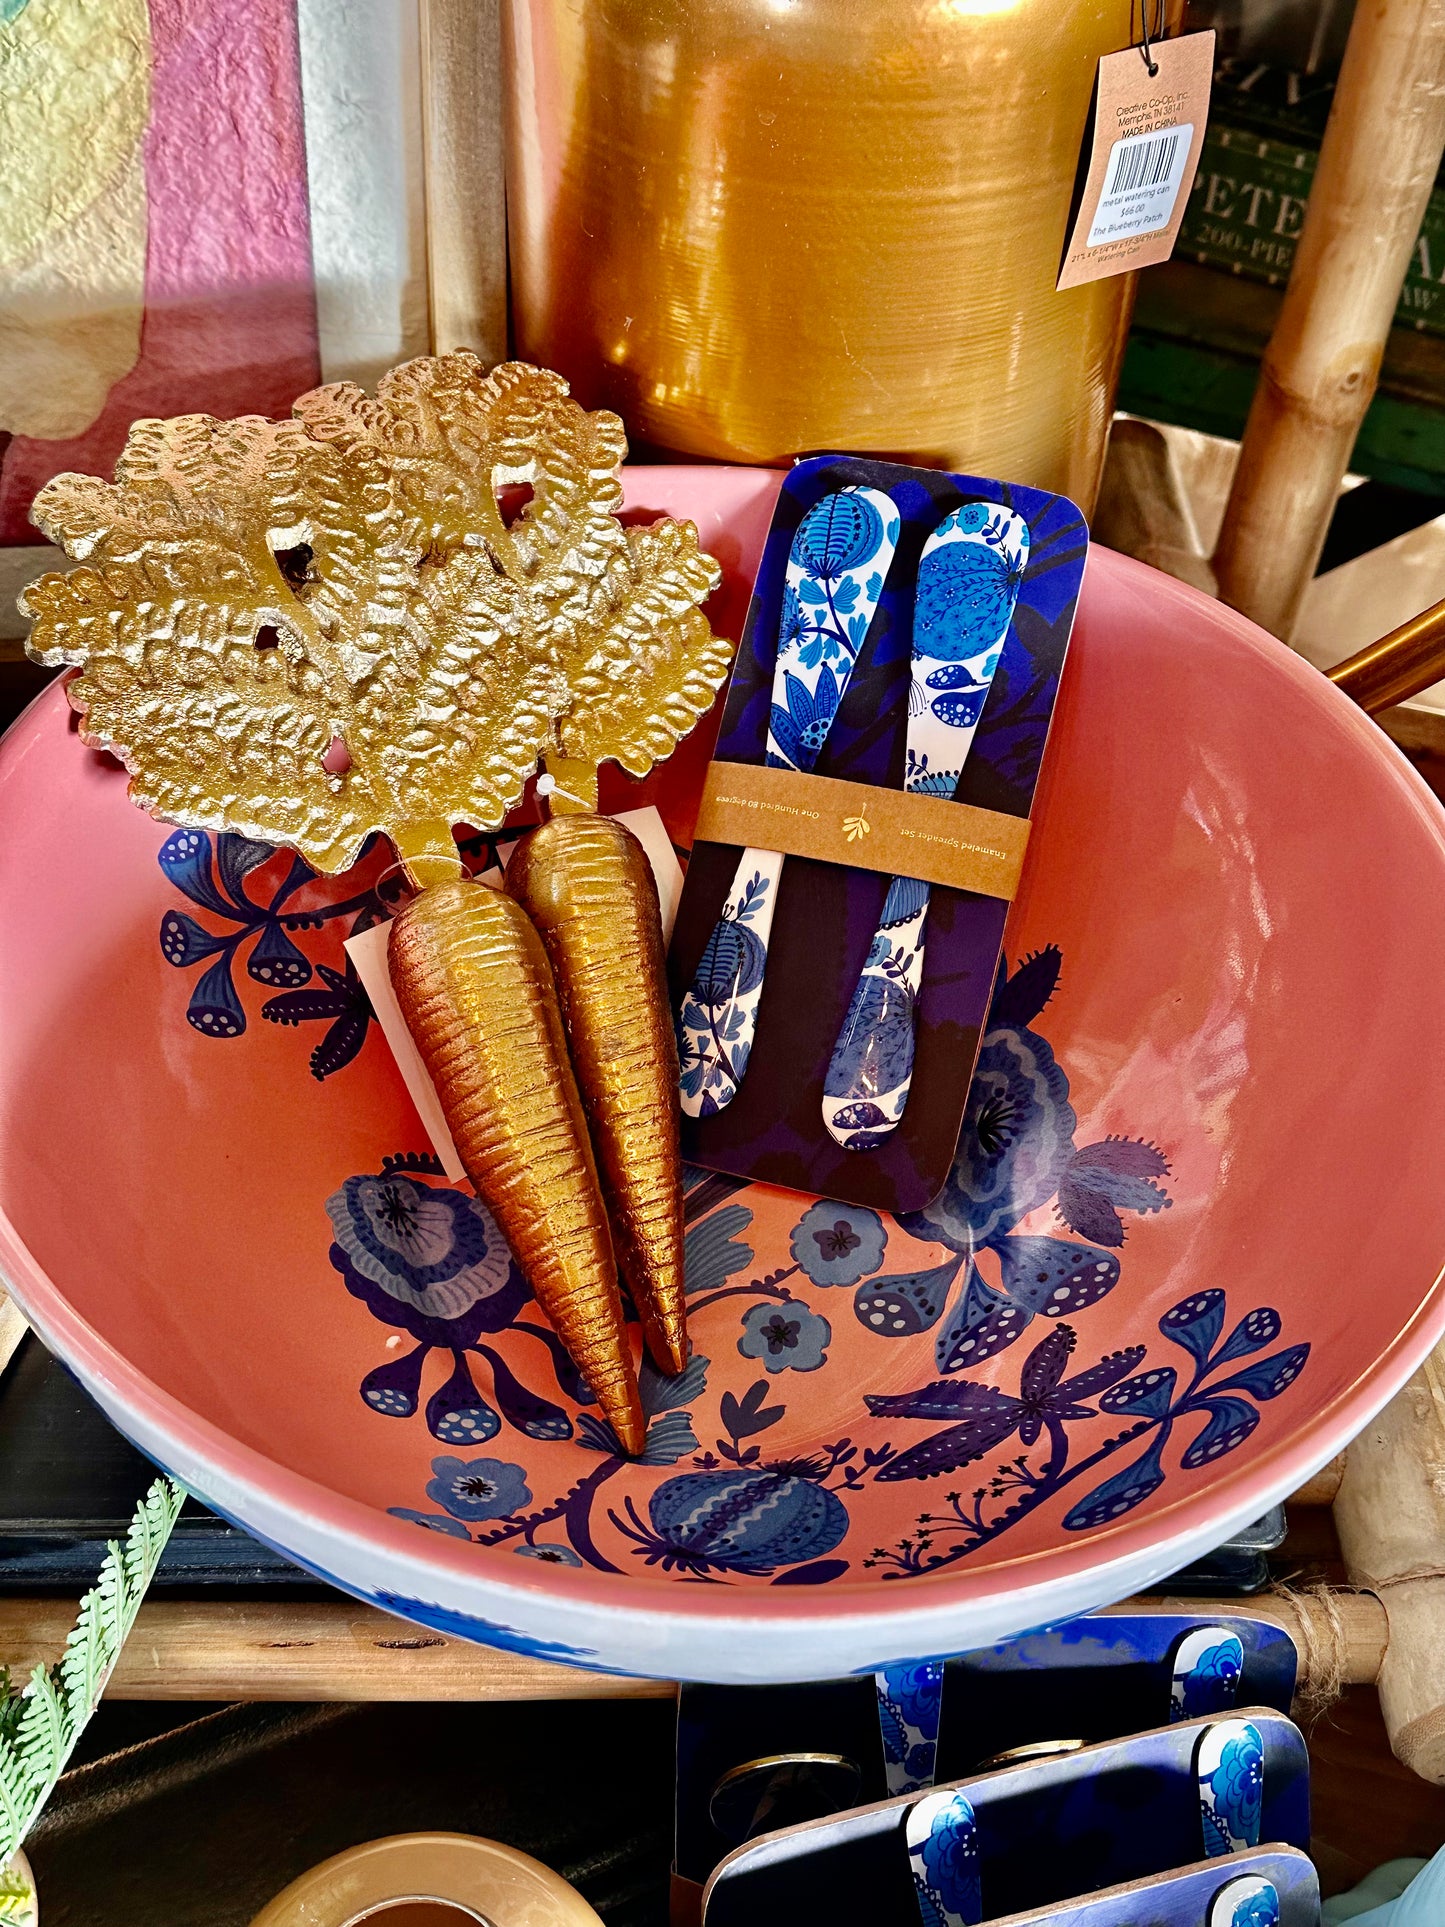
(368, 951)
(1141, 185)
(1144, 143)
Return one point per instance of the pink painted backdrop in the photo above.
(230, 313)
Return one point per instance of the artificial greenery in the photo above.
(17, 1899)
(40, 1724)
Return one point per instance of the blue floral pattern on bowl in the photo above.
(215, 875)
(740, 1481)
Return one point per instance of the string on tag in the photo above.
(1151, 65)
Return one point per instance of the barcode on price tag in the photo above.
(1141, 185)
(1144, 142)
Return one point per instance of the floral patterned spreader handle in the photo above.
(1229, 1771)
(942, 1836)
(836, 567)
(968, 586)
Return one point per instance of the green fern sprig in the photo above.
(17, 1899)
(40, 1725)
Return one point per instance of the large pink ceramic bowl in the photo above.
(1198, 1222)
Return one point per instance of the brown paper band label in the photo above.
(864, 827)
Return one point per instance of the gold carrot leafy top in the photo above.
(310, 630)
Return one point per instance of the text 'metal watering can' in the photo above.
(761, 228)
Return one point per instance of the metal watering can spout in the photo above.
(1396, 667)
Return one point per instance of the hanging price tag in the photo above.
(1147, 134)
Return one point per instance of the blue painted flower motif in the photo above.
(430, 1261)
(425, 1250)
(837, 1244)
(478, 1488)
(964, 598)
(749, 1518)
(1247, 1902)
(1015, 1145)
(841, 532)
(787, 1337)
(950, 1859)
(1238, 1785)
(549, 1553)
(918, 1692)
(942, 1835)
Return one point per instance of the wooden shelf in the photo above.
(335, 1650)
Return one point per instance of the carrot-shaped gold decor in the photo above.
(475, 986)
(587, 886)
(314, 630)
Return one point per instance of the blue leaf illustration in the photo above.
(732, 964)
(1267, 1377)
(183, 941)
(743, 1417)
(185, 857)
(946, 1398)
(236, 857)
(276, 960)
(1055, 1276)
(1018, 999)
(215, 1009)
(813, 593)
(752, 897)
(1231, 1420)
(1195, 1323)
(340, 1044)
(910, 1302)
(711, 1251)
(1259, 1328)
(984, 1324)
(669, 1439)
(659, 1393)
(950, 1450)
(596, 1435)
(1104, 1179)
(1122, 1492)
(1148, 1395)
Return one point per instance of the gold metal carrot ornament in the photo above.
(586, 884)
(311, 631)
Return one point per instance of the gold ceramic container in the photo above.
(760, 228)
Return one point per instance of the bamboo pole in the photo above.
(1390, 1514)
(336, 1650)
(284, 1650)
(466, 218)
(1378, 162)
